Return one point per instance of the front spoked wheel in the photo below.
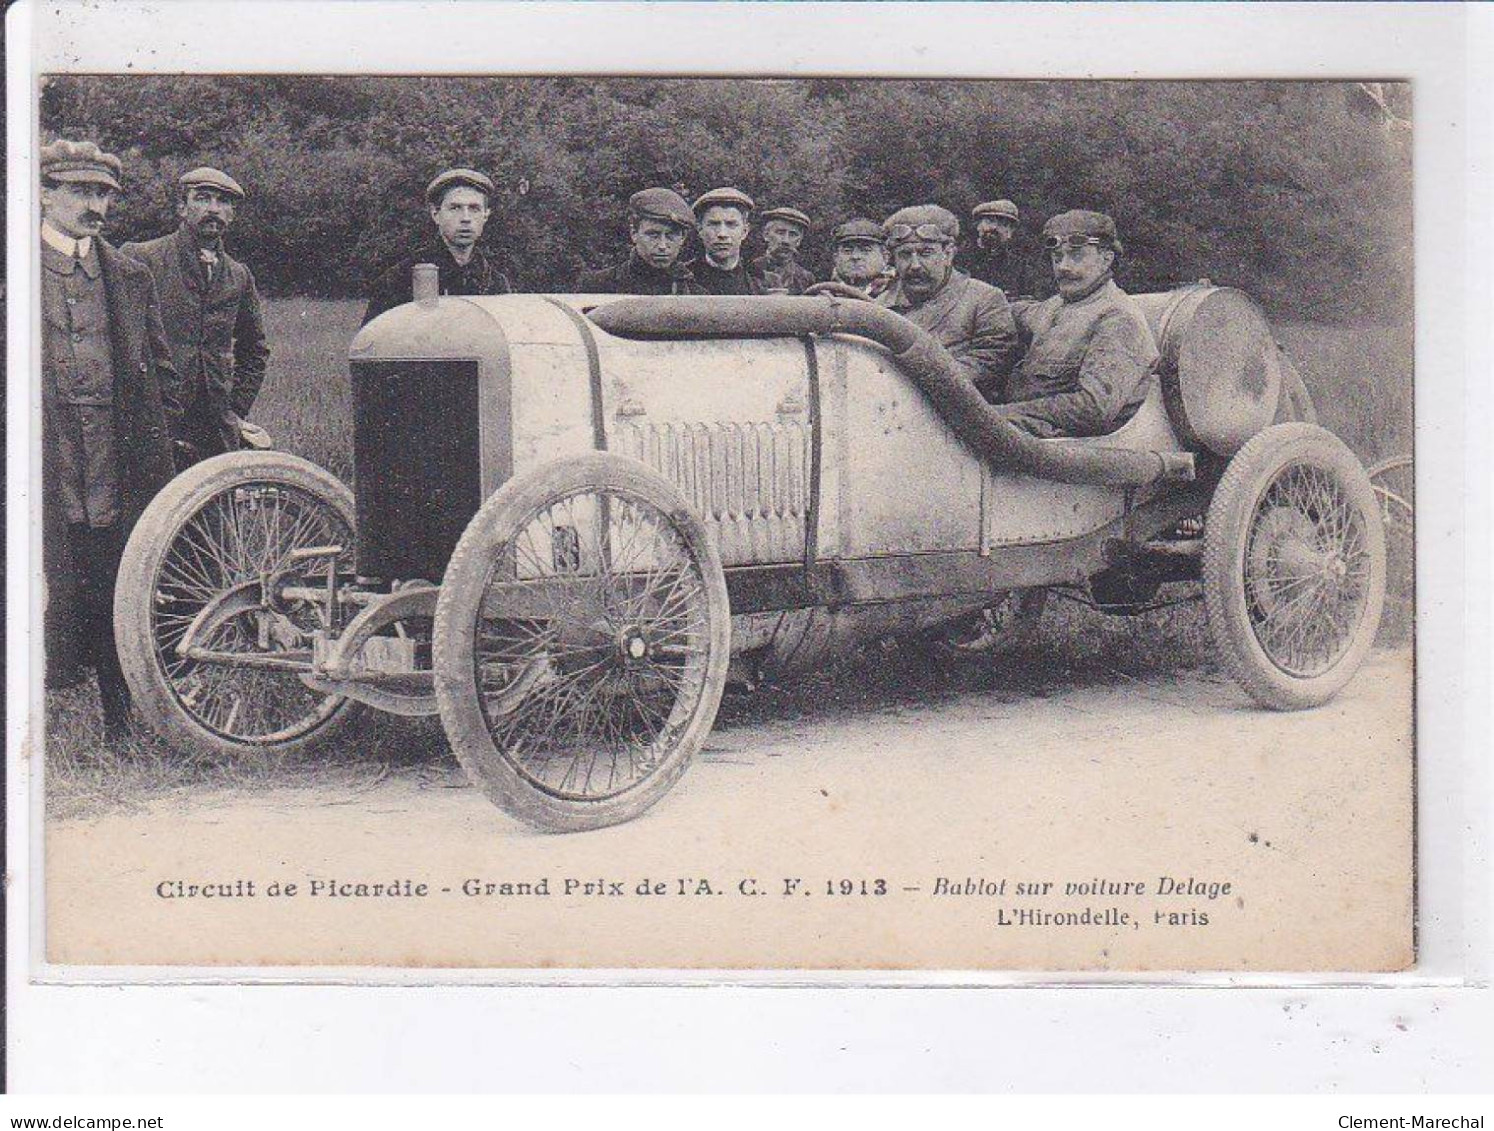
(202, 552)
(581, 642)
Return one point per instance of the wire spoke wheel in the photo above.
(229, 524)
(1294, 566)
(1307, 571)
(581, 642)
(1394, 481)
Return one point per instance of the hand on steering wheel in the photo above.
(836, 289)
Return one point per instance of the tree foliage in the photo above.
(1299, 192)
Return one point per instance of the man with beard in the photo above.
(659, 225)
(723, 218)
(1090, 353)
(458, 202)
(968, 317)
(860, 259)
(999, 259)
(211, 312)
(778, 269)
(109, 405)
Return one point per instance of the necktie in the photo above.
(209, 262)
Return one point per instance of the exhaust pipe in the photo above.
(941, 379)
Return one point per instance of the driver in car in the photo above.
(969, 318)
(1089, 352)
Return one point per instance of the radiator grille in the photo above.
(415, 464)
(749, 481)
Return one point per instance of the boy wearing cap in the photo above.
(109, 405)
(723, 218)
(969, 318)
(459, 204)
(778, 269)
(211, 311)
(1090, 353)
(659, 226)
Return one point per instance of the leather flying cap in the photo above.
(997, 209)
(792, 215)
(923, 222)
(727, 197)
(80, 162)
(661, 204)
(206, 177)
(466, 178)
(859, 230)
(1080, 222)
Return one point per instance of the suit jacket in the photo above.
(792, 276)
(147, 410)
(971, 320)
(217, 335)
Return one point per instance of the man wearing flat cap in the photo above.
(213, 319)
(860, 258)
(459, 202)
(1090, 353)
(723, 217)
(660, 223)
(109, 407)
(969, 318)
(999, 258)
(778, 269)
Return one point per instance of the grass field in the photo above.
(1360, 378)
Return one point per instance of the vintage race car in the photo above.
(574, 516)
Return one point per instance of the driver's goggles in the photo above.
(1053, 243)
(899, 232)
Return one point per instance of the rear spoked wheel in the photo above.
(1394, 481)
(1294, 566)
(581, 642)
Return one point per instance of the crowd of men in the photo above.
(154, 353)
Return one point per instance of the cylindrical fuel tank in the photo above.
(1221, 370)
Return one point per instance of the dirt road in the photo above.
(1174, 826)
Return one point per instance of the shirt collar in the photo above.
(66, 244)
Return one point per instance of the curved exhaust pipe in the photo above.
(940, 378)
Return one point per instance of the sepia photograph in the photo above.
(709, 523)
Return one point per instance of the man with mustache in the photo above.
(999, 258)
(1090, 353)
(213, 319)
(723, 218)
(969, 318)
(110, 404)
(458, 203)
(778, 269)
(659, 226)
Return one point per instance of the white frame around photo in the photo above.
(380, 1028)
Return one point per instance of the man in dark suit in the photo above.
(211, 311)
(778, 269)
(110, 404)
(723, 219)
(660, 224)
(459, 202)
